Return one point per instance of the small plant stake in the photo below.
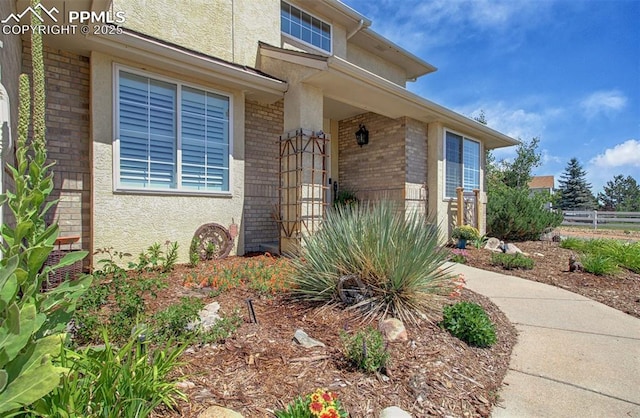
(252, 312)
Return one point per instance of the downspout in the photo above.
(356, 30)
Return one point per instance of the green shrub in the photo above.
(346, 197)
(107, 381)
(172, 321)
(470, 323)
(598, 264)
(514, 214)
(123, 295)
(366, 350)
(396, 257)
(511, 261)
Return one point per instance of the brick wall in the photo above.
(416, 173)
(377, 170)
(263, 126)
(68, 139)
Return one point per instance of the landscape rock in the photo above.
(511, 249)
(304, 340)
(219, 412)
(493, 244)
(185, 384)
(394, 412)
(208, 318)
(393, 330)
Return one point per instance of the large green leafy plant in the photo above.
(31, 321)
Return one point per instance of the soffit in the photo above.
(346, 83)
(379, 46)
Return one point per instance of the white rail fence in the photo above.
(596, 218)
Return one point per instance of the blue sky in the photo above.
(565, 71)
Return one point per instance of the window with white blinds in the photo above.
(462, 163)
(171, 136)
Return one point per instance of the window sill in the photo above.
(188, 193)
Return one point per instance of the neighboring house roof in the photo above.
(352, 86)
(542, 182)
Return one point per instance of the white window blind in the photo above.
(159, 150)
(462, 164)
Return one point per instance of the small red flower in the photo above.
(315, 407)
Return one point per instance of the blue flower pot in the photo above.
(462, 243)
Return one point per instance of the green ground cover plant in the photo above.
(396, 256)
(366, 350)
(470, 323)
(512, 261)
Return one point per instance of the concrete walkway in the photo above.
(574, 358)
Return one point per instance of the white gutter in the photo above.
(356, 30)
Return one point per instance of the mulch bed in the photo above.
(260, 368)
(621, 291)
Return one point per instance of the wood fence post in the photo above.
(476, 194)
(460, 220)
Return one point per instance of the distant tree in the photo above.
(575, 192)
(620, 194)
(519, 172)
(516, 173)
(481, 118)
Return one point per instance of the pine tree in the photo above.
(620, 194)
(575, 192)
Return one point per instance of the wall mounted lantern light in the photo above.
(362, 136)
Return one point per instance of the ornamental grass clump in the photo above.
(393, 258)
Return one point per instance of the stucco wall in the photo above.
(227, 29)
(446, 208)
(377, 170)
(263, 128)
(133, 221)
(376, 65)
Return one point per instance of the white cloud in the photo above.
(515, 121)
(625, 154)
(603, 102)
(439, 23)
(621, 159)
(548, 159)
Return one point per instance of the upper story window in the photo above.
(304, 27)
(462, 163)
(171, 136)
